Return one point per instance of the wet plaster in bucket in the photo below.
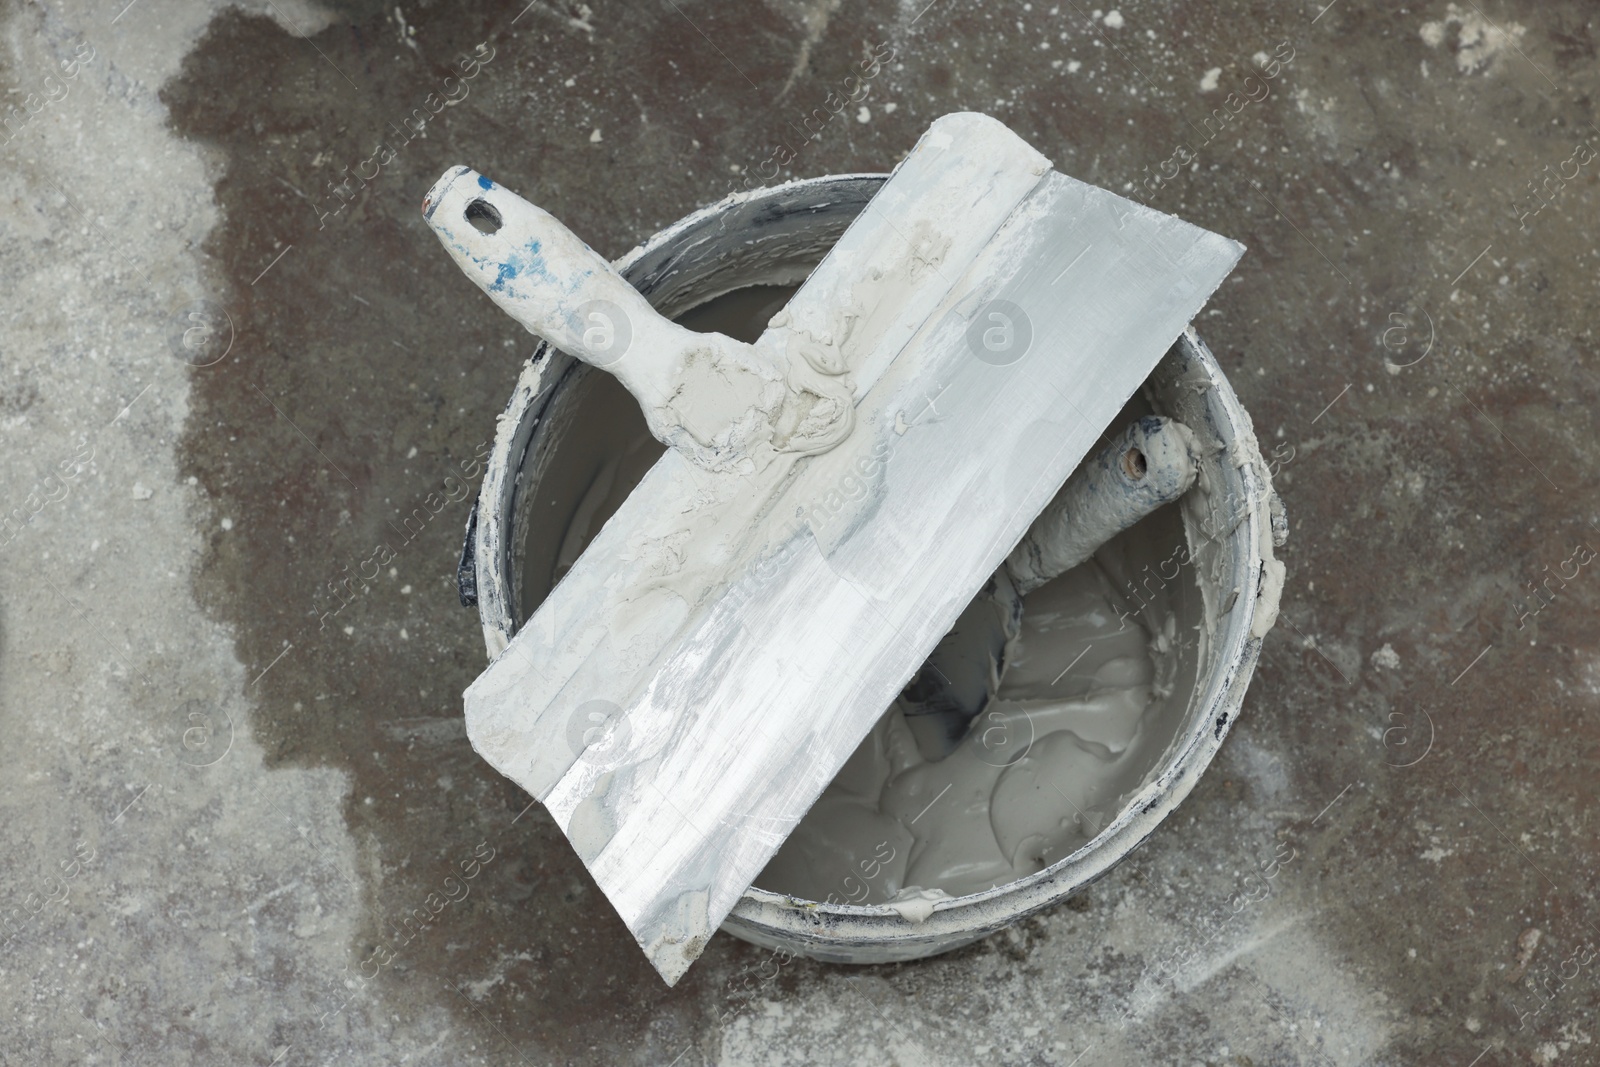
(1044, 768)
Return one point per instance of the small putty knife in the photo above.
(767, 590)
(1149, 464)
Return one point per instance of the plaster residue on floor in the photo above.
(1476, 41)
(1272, 981)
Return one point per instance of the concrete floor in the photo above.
(216, 800)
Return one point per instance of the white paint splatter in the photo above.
(1208, 84)
(1114, 19)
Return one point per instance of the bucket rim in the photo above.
(768, 917)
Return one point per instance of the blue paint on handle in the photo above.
(484, 183)
(508, 272)
(521, 262)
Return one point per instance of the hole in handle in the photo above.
(483, 216)
(1133, 462)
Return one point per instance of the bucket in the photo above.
(572, 443)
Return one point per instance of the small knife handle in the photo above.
(544, 276)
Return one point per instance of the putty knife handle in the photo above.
(541, 274)
(716, 400)
(1150, 464)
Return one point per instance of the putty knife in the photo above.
(833, 497)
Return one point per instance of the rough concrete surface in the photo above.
(241, 823)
